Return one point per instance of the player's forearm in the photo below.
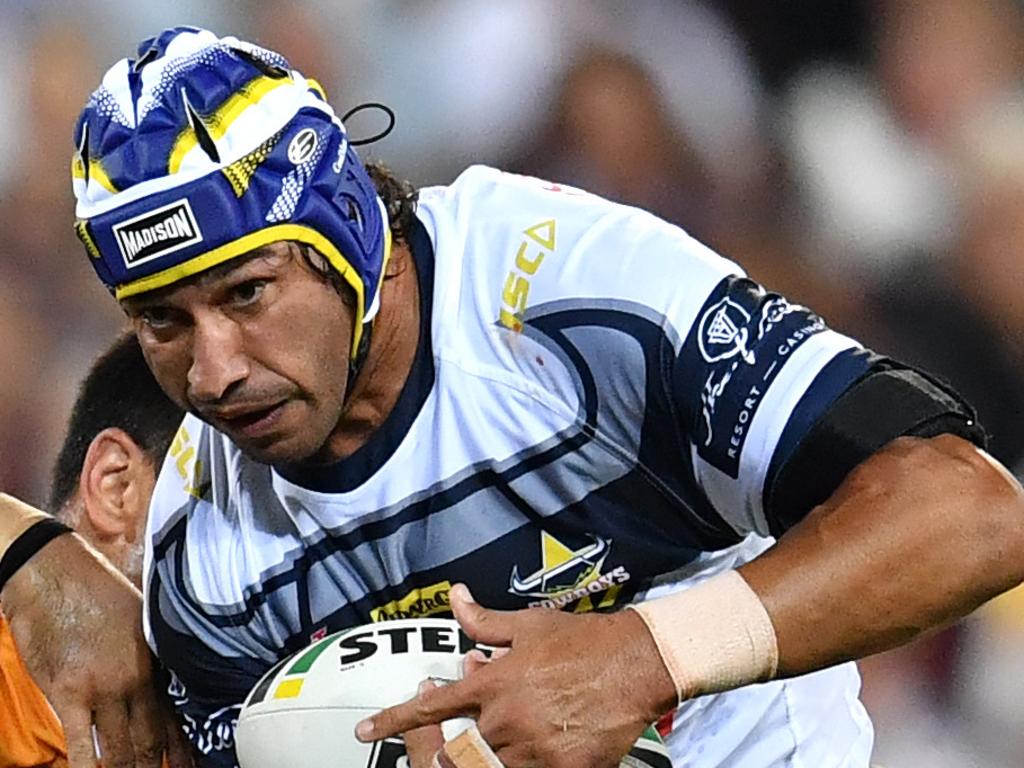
(919, 535)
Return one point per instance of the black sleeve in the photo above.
(207, 691)
(891, 400)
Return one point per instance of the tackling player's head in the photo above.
(119, 430)
(220, 200)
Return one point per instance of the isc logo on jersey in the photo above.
(190, 468)
(541, 238)
(569, 575)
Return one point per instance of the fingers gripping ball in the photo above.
(304, 710)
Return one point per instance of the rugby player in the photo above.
(519, 388)
(120, 427)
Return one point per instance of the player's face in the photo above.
(258, 348)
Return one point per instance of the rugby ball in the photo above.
(303, 712)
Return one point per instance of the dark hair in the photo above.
(119, 391)
(399, 198)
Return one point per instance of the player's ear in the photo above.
(114, 485)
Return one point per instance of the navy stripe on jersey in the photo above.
(741, 341)
(354, 470)
(483, 478)
(664, 454)
(640, 548)
(659, 512)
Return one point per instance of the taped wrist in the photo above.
(467, 750)
(713, 637)
(24, 530)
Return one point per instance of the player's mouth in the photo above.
(250, 423)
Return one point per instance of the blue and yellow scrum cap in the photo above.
(205, 148)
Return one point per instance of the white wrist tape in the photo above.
(713, 637)
(16, 517)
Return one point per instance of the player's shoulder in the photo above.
(513, 251)
(206, 495)
(200, 467)
(508, 246)
(493, 221)
(482, 197)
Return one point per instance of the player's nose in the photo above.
(218, 359)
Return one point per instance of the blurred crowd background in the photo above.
(864, 157)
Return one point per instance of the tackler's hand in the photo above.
(571, 691)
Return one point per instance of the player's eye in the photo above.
(157, 318)
(247, 293)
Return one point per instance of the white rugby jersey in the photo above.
(596, 411)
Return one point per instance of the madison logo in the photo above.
(567, 575)
(157, 233)
(425, 601)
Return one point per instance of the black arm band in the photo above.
(34, 538)
(887, 403)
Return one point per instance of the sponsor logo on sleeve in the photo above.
(774, 312)
(157, 233)
(745, 351)
(724, 333)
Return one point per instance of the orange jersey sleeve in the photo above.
(30, 733)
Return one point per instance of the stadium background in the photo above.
(863, 157)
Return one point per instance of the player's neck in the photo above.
(393, 344)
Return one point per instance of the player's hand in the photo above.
(77, 623)
(572, 692)
(421, 744)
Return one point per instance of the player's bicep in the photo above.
(891, 400)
